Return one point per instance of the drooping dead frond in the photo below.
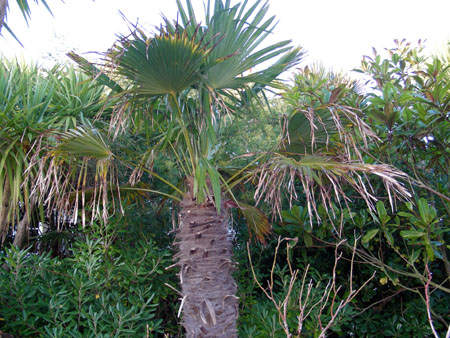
(257, 222)
(323, 179)
(80, 162)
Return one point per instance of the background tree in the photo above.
(36, 105)
(408, 246)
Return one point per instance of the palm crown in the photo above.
(198, 72)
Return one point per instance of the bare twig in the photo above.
(326, 302)
(427, 301)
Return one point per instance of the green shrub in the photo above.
(103, 290)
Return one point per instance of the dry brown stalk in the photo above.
(326, 303)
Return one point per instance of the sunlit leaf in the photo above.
(370, 235)
(412, 234)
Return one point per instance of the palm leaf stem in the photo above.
(243, 178)
(154, 192)
(185, 132)
(228, 189)
(242, 170)
(175, 152)
(153, 174)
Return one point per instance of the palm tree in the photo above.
(188, 76)
(199, 72)
(181, 82)
(35, 105)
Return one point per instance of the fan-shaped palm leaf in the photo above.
(164, 64)
(83, 142)
(241, 33)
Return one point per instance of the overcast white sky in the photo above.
(335, 32)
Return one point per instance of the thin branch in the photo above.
(427, 301)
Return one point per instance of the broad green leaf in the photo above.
(430, 252)
(382, 213)
(389, 237)
(424, 210)
(405, 214)
(369, 235)
(307, 239)
(412, 234)
(414, 255)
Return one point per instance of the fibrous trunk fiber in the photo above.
(209, 304)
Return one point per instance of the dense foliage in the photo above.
(342, 266)
(103, 289)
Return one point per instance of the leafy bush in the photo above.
(103, 290)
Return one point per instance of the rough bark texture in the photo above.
(21, 236)
(4, 210)
(209, 305)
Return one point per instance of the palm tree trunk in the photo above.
(4, 211)
(21, 236)
(209, 304)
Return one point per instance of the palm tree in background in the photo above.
(35, 105)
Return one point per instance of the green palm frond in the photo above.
(241, 31)
(83, 142)
(82, 160)
(25, 9)
(207, 183)
(324, 116)
(94, 72)
(305, 136)
(167, 63)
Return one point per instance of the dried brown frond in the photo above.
(257, 222)
(320, 150)
(323, 179)
(79, 173)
